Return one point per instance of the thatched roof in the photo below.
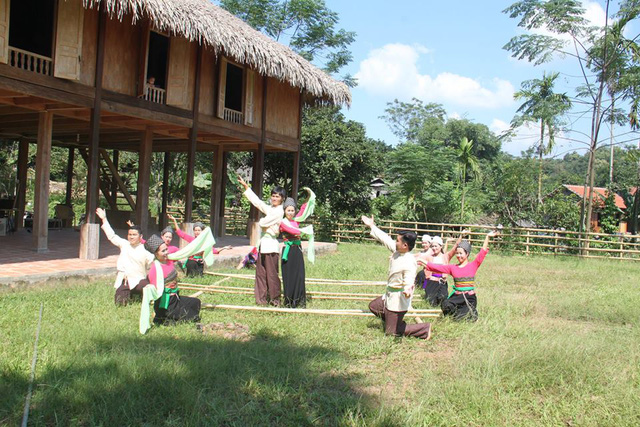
(210, 25)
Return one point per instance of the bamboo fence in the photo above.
(527, 241)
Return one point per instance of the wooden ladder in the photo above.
(110, 179)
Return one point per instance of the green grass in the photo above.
(557, 343)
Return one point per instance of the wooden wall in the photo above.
(89, 48)
(208, 83)
(283, 108)
(121, 59)
(181, 76)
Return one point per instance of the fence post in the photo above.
(338, 231)
(621, 245)
(555, 244)
(528, 236)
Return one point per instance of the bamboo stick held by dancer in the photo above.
(396, 301)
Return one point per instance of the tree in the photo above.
(467, 166)
(338, 161)
(569, 34)
(545, 106)
(405, 119)
(308, 26)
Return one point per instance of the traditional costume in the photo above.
(132, 265)
(393, 305)
(435, 284)
(293, 272)
(462, 301)
(170, 306)
(267, 285)
(195, 264)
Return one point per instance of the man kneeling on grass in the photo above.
(133, 263)
(395, 303)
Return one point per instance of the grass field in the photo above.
(557, 343)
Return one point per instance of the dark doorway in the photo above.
(158, 59)
(31, 26)
(233, 89)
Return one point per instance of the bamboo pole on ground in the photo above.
(298, 310)
(245, 290)
(307, 280)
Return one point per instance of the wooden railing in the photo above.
(30, 61)
(154, 94)
(233, 116)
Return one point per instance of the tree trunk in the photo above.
(540, 151)
(611, 144)
(464, 178)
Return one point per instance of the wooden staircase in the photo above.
(111, 184)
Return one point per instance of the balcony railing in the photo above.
(154, 94)
(30, 61)
(233, 116)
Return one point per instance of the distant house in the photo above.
(600, 195)
(378, 188)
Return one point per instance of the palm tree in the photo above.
(544, 106)
(467, 165)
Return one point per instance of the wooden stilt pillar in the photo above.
(165, 189)
(222, 225)
(193, 141)
(144, 174)
(23, 162)
(43, 169)
(295, 181)
(258, 170)
(90, 231)
(67, 199)
(114, 184)
(216, 189)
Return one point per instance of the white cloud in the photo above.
(393, 71)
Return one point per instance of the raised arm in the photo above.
(378, 234)
(485, 244)
(108, 231)
(288, 227)
(452, 252)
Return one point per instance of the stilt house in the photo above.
(103, 76)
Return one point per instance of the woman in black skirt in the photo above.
(292, 262)
(171, 306)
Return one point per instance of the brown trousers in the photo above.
(267, 286)
(123, 293)
(394, 323)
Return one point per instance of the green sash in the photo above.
(287, 246)
(166, 296)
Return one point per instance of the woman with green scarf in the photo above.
(292, 262)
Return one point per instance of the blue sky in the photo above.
(450, 53)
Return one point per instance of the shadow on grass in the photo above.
(163, 380)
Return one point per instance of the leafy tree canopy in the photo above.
(309, 27)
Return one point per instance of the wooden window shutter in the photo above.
(248, 114)
(222, 87)
(5, 6)
(178, 93)
(69, 30)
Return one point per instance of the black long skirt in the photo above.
(295, 294)
(435, 291)
(181, 309)
(461, 307)
(195, 268)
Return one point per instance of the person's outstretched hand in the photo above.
(243, 183)
(368, 221)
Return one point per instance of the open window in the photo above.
(235, 99)
(155, 86)
(31, 35)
